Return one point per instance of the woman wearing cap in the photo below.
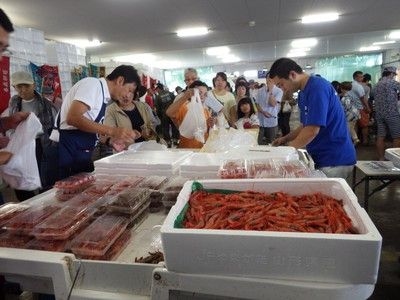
(28, 100)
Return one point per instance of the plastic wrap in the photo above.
(75, 184)
(98, 237)
(47, 245)
(62, 224)
(27, 220)
(129, 200)
(233, 168)
(10, 210)
(10, 240)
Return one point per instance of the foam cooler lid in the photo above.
(143, 159)
(202, 162)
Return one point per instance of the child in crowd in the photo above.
(247, 118)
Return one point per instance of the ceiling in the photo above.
(149, 26)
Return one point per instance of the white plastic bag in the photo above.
(286, 107)
(194, 124)
(22, 172)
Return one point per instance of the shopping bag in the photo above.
(194, 123)
(22, 172)
(286, 107)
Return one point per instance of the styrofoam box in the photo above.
(393, 154)
(317, 257)
(156, 160)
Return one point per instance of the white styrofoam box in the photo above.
(144, 160)
(393, 154)
(316, 257)
(136, 172)
(202, 162)
(199, 175)
(264, 152)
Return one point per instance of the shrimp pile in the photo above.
(279, 211)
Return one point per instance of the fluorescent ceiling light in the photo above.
(82, 43)
(145, 58)
(304, 43)
(218, 51)
(250, 73)
(195, 31)
(369, 48)
(395, 35)
(296, 54)
(383, 43)
(320, 18)
(230, 58)
(167, 64)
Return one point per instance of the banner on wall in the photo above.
(5, 83)
(47, 80)
(94, 71)
(79, 73)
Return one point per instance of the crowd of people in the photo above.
(116, 111)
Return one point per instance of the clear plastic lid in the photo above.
(75, 183)
(83, 200)
(10, 240)
(174, 184)
(127, 182)
(99, 188)
(153, 182)
(233, 169)
(24, 222)
(98, 237)
(129, 200)
(62, 224)
(10, 210)
(47, 245)
(115, 249)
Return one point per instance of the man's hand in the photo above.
(124, 134)
(13, 121)
(4, 140)
(279, 141)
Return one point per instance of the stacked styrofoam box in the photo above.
(141, 163)
(305, 257)
(67, 57)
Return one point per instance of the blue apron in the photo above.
(76, 148)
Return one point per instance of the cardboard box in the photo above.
(316, 257)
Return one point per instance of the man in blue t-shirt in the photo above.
(323, 129)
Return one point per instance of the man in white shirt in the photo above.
(81, 116)
(362, 105)
(268, 102)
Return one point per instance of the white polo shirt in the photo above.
(89, 91)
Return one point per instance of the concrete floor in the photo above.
(384, 210)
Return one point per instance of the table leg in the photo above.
(353, 185)
(366, 193)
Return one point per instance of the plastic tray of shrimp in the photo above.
(242, 246)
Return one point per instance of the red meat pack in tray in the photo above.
(47, 245)
(27, 220)
(233, 169)
(127, 182)
(75, 183)
(83, 201)
(99, 188)
(13, 241)
(115, 249)
(129, 201)
(10, 210)
(98, 237)
(62, 224)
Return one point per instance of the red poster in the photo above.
(5, 83)
(50, 80)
